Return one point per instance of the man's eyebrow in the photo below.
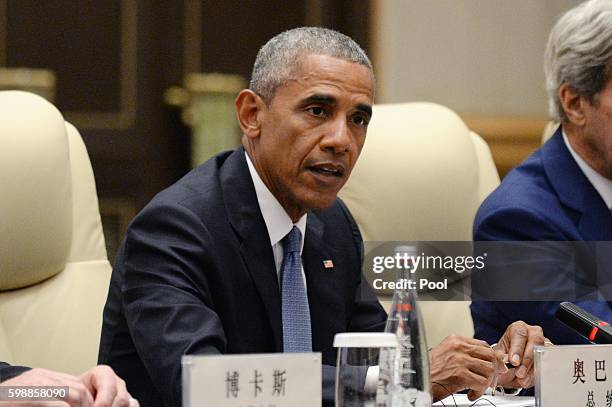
(324, 99)
(367, 109)
(320, 98)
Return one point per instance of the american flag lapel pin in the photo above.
(328, 264)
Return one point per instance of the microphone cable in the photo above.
(455, 401)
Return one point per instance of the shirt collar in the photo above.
(275, 217)
(602, 185)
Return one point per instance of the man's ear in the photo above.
(249, 110)
(573, 104)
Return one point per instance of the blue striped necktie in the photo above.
(297, 335)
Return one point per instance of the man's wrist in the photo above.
(440, 391)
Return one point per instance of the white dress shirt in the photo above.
(279, 224)
(602, 185)
(277, 221)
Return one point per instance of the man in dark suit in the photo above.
(200, 270)
(563, 192)
(252, 251)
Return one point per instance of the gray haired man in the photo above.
(563, 192)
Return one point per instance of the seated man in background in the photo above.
(99, 385)
(252, 252)
(562, 192)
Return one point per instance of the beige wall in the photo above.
(475, 56)
(481, 58)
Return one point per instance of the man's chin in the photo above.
(313, 199)
(321, 204)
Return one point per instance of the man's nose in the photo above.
(337, 136)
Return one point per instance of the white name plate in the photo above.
(254, 380)
(574, 376)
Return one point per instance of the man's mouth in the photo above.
(328, 169)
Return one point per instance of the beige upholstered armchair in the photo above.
(54, 273)
(421, 177)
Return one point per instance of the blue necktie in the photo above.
(297, 336)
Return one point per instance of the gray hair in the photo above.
(281, 56)
(579, 53)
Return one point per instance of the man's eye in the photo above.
(360, 120)
(317, 111)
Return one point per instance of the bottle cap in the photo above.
(365, 340)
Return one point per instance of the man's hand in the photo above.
(78, 395)
(107, 388)
(460, 363)
(517, 345)
(98, 387)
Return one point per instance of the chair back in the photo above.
(421, 176)
(54, 273)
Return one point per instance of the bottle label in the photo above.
(411, 397)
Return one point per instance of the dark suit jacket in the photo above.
(545, 198)
(196, 275)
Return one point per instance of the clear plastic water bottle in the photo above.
(404, 378)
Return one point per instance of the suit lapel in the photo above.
(325, 284)
(257, 254)
(575, 191)
(255, 247)
(313, 255)
(596, 220)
